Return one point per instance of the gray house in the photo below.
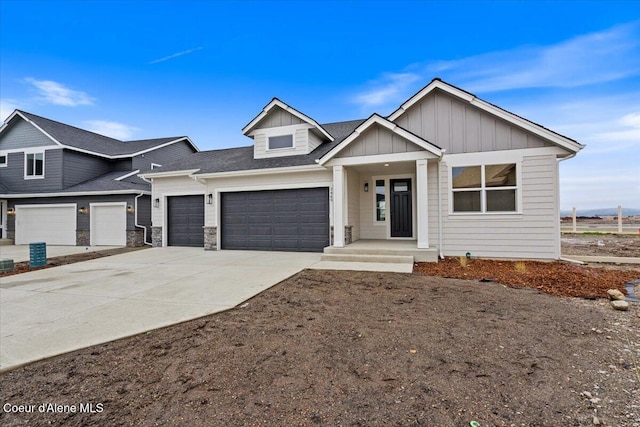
(446, 174)
(67, 186)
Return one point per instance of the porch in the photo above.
(381, 251)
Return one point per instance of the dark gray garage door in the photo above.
(185, 218)
(276, 220)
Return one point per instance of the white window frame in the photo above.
(483, 188)
(34, 152)
(293, 142)
(6, 159)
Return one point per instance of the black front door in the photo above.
(401, 225)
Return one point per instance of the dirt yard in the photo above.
(596, 244)
(356, 349)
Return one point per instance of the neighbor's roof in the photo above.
(83, 140)
(241, 158)
(104, 183)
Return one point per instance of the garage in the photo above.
(185, 219)
(295, 220)
(108, 224)
(53, 224)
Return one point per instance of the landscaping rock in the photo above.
(620, 305)
(615, 295)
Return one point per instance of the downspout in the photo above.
(135, 220)
(440, 208)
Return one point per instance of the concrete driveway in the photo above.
(56, 310)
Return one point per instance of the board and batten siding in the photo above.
(79, 167)
(462, 128)
(21, 134)
(12, 176)
(378, 140)
(533, 234)
(278, 117)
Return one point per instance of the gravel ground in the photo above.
(620, 245)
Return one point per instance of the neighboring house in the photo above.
(67, 186)
(446, 170)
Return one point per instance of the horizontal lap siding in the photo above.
(172, 186)
(353, 199)
(23, 135)
(80, 167)
(533, 234)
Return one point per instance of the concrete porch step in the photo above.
(388, 267)
(6, 242)
(361, 257)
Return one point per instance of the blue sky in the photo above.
(145, 69)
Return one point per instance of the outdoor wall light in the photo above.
(366, 187)
(156, 203)
(129, 208)
(210, 199)
(11, 211)
(82, 210)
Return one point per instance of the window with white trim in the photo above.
(34, 165)
(280, 141)
(4, 159)
(484, 188)
(381, 204)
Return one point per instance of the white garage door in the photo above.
(53, 224)
(108, 224)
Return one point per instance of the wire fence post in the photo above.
(574, 221)
(619, 219)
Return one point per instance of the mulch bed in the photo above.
(555, 278)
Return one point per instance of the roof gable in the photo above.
(276, 105)
(469, 98)
(392, 128)
(84, 141)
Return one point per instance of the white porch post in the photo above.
(422, 202)
(338, 206)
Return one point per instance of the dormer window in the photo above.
(281, 141)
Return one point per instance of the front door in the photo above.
(401, 225)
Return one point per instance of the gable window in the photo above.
(281, 141)
(3, 160)
(34, 165)
(484, 188)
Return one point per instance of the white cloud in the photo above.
(6, 107)
(175, 55)
(58, 94)
(390, 88)
(587, 59)
(111, 129)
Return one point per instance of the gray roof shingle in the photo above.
(241, 158)
(106, 182)
(90, 141)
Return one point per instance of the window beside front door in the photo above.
(34, 165)
(381, 203)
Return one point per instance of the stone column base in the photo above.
(156, 237)
(83, 238)
(135, 238)
(210, 238)
(348, 234)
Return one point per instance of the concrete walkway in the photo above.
(57, 310)
(604, 259)
(20, 253)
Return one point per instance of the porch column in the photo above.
(422, 202)
(338, 206)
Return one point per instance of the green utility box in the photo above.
(37, 254)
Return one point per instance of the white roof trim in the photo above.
(560, 140)
(82, 150)
(275, 102)
(186, 172)
(376, 119)
(72, 194)
(247, 172)
(120, 178)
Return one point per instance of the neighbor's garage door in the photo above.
(276, 220)
(108, 224)
(185, 219)
(53, 224)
